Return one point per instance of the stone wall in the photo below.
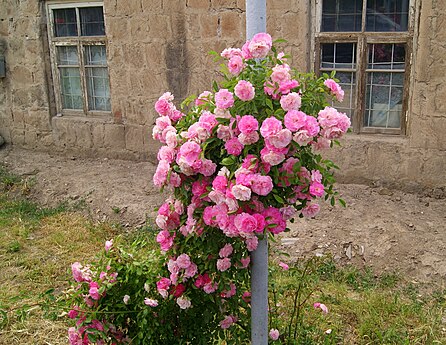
(155, 46)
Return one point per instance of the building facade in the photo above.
(82, 76)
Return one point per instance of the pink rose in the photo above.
(150, 302)
(260, 45)
(224, 99)
(227, 322)
(226, 251)
(335, 89)
(294, 120)
(262, 185)
(229, 53)
(184, 302)
(241, 192)
(245, 223)
(189, 152)
(274, 334)
(251, 243)
(235, 65)
(284, 266)
(203, 98)
(248, 124)
(281, 73)
(183, 261)
(164, 107)
(321, 306)
(281, 139)
(291, 101)
(94, 291)
(223, 264)
(270, 126)
(311, 210)
(248, 139)
(244, 90)
(108, 245)
(245, 262)
(317, 189)
(234, 147)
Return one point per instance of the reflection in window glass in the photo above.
(67, 55)
(385, 85)
(341, 15)
(95, 55)
(387, 15)
(341, 57)
(71, 88)
(65, 23)
(92, 21)
(98, 89)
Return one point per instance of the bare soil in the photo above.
(388, 230)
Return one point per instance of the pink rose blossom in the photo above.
(274, 219)
(165, 240)
(281, 139)
(72, 314)
(126, 299)
(311, 210)
(220, 183)
(235, 65)
(274, 334)
(251, 243)
(246, 54)
(229, 293)
(248, 124)
(246, 297)
(284, 266)
(241, 192)
(270, 126)
(76, 269)
(164, 107)
(184, 302)
(234, 147)
(223, 264)
(321, 306)
(226, 251)
(160, 176)
(287, 212)
(262, 185)
(94, 291)
(291, 101)
(281, 73)
(150, 302)
(333, 123)
(294, 120)
(335, 89)
(229, 53)
(244, 90)
(249, 139)
(189, 152)
(227, 322)
(203, 98)
(245, 223)
(108, 245)
(245, 262)
(317, 189)
(183, 261)
(260, 45)
(224, 99)
(286, 86)
(224, 133)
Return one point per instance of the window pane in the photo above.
(98, 88)
(71, 88)
(95, 55)
(387, 56)
(341, 15)
(65, 22)
(92, 21)
(387, 15)
(338, 55)
(67, 55)
(348, 83)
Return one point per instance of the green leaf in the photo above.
(278, 199)
(227, 161)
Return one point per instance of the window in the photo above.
(79, 59)
(368, 44)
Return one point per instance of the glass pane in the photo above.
(387, 15)
(387, 56)
(341, 15)
(348, 83)
(338, 55)
(71, 88)
(98, 89)
(95, 55)
(92, 21)
(65, 22)
(384, 100)
(67, 55)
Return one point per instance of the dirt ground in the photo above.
(388, 230)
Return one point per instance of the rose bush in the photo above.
(241, 160)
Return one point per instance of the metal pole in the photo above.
(255, 23)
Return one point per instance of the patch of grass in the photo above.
(363, 308)
(37, 247)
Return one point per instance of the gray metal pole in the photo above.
(255, 23)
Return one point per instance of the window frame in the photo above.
(363, 39)
(79, 42)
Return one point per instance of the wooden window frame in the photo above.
(78, 41)
(363, 39)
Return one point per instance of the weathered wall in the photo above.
(155, 46)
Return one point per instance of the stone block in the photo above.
(198, 4)
(155, 55)
(231, 25)
(117, 28)
(159, 26)
(114, 136)
(139, 29)
(128, 8)
(224, 4)
(83, 134)
(18, 136)
(174, 6)
(134, 138)
(152, 6)
(97, 135)
(39, 119)
(208, 26)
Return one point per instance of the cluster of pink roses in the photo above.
(234, 161)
